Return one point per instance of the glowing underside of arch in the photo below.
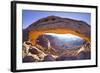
(33, 35)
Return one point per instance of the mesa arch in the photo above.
(54, 24)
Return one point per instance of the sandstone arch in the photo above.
(54, 24)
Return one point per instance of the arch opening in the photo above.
(33, 35)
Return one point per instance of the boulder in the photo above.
(28, 59)
(49, 58)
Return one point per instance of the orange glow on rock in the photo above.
(33, 35)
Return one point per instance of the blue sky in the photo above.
(30, 16)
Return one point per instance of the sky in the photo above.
(30, 16)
